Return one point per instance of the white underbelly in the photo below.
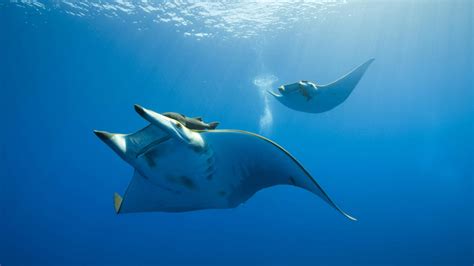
(186, 177)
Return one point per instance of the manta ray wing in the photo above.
(145, 196)
(350, 79)
(253, 162)
(141, 196)
(333, 94)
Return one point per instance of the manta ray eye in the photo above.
(179, 125)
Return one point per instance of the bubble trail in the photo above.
(264, 82)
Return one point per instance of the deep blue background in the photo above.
(397, 154)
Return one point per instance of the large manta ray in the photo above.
(178, 169)
(309, 97)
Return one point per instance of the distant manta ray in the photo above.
(310, 97)
(178, 169)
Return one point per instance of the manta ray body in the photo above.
(178, 169)
(306, 96)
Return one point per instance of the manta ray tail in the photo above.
(213, 125)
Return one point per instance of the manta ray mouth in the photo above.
(152, 145)
(274, 94)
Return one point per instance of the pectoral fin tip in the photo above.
(117, 202)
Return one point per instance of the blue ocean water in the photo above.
(397, 154)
